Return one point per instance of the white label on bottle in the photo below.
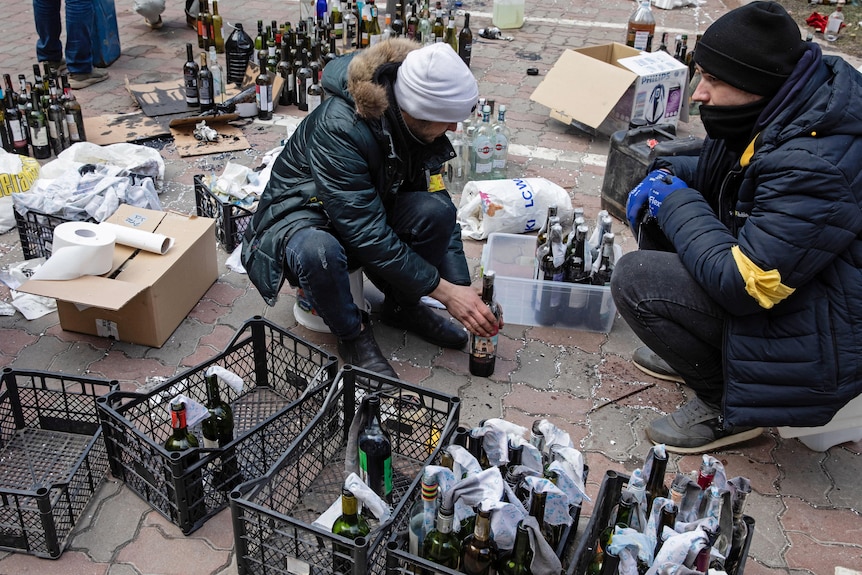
(211, 443)
(38, 136)
(641, 39)
(313, 102)
(263, 95)
(73, 128)
(17, 130)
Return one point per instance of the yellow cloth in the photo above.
(763, 286)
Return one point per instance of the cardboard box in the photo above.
(606, 88)
(145, 296)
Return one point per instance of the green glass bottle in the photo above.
(350, 525)
(479, 551)
(518, 561)
(441, 544)
(181, 438)
(217, 430)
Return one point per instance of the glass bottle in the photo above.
(641, 27)
(263, 90)
(259, 44)
(398, 23)
(5, 138)
(205, 85)
(218, 76)
(483, 350)
(181, 438)
(740, 532)
(465, 41)
(483, 147)
(38, 129)
(605, 269)
(217, 431)
(314, 97)
(190, 76)
(13, 121)
(373, 31)
(423, 514)
(438, 29)
(350, 525)
(58, 132)
(74, 115)
(217, 29)
(451, 36)
(834, 22)
(412, 28)
(303, 75)
(537, 510)
(667, 518)
(706, 473)
(336, 21)
(425, 30)
(502, 137)
(206, 25)
(441, 544)
(478, 550)
(655, 482)
(518, 561)
(375, 453)
(239, 48)
(542, 236)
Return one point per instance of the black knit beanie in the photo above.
(754, 48)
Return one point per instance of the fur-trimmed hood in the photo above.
(364, 75)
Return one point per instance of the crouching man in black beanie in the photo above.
(758, 306)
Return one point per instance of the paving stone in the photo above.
(38, 356)
(843, 468)
(117, 519)
(770, 543)
(803, 473)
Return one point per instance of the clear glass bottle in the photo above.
(641, 27)
(483, 147)
(218, 76)
(834, 22)
(423, 514)
(502, 137)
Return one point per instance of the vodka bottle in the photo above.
(502, 137)
(483, 147)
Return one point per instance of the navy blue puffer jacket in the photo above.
(784, 255)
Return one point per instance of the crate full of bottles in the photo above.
(386, 430)
(478, 512)
(695, 524)
(184, 444)
(52, 457)
(231, 218)
(535, 289)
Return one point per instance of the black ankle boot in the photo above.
(364, 352)
(424, 322)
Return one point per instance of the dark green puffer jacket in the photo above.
(341, 170)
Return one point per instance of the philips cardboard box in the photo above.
(145, 296)
(606, 88)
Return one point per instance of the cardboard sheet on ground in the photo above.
(116, 128)
(159, 98)
(230, 138)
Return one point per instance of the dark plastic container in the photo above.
(52, 457)
(286, 382)
(231, 220)
(105, 36)
(631, 152)
(238, 49)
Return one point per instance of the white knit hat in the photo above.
(434, 84)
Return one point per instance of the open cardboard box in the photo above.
(145, 296)
(606, 88)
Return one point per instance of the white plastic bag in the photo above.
(515, 206)
(132, 158)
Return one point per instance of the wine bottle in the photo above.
(58, 132)
(217, 33)
(442, 545)
(217, 431)
(303, 77)
(706, 473)
(205, 85)
(190, 77)
(375, 452)
(740, 530)
(38, 129)
(412, 26)
(17, 135)
(438, 29)
(286, 71)
(465, 41)
(518, 561)
(483, 350)
(350, 525)
(537, 510)
(655, 482)
(479, 551)
(74, 115)
(667, 518)
(5, 138)
(423, 514)
(181, 438)
(336, 21)
(263, 89)
(451, 35)
(314, 94)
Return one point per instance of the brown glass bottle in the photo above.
(479, 551)
(641, 27)
(483, 350)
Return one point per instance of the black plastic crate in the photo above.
(273, 515)
(286, 384)
(52, 457)
(609, 495)
(401, 561)
(231, 220)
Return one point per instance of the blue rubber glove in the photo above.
(638, 197)
(661, 189)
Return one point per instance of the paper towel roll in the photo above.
(156, 243)
(79, 249)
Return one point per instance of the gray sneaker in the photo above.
(697, 427)
(650, 363)
(94, 76)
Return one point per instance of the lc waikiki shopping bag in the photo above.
(105, 36)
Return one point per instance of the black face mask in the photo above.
(733, 124)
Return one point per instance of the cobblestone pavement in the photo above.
(805, 503)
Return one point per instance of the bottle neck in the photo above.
(482, 530)
(444, 521)
(178, 422)
(349, 506)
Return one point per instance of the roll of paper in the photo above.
(79, 249)
(156, 243)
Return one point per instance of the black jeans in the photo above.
(674, 316)
(317, 262)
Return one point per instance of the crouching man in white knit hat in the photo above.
(359, 184)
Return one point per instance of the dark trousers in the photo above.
(317, 262)
(674, 316)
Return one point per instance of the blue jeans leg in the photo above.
(316, 261)
(425, 221)
(46, 14)
(79, 27)
(674, 316)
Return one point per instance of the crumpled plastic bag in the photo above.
(149, 9)
(17, 174)
(515, 206)
(133, 158)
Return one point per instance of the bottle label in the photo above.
(501, 152)
(38, 135)
(191, 89)
(263, 96)
(313, 102)
(211, 443)
(643, 38)
(483, 347)
(72, 126)
(17, 130)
